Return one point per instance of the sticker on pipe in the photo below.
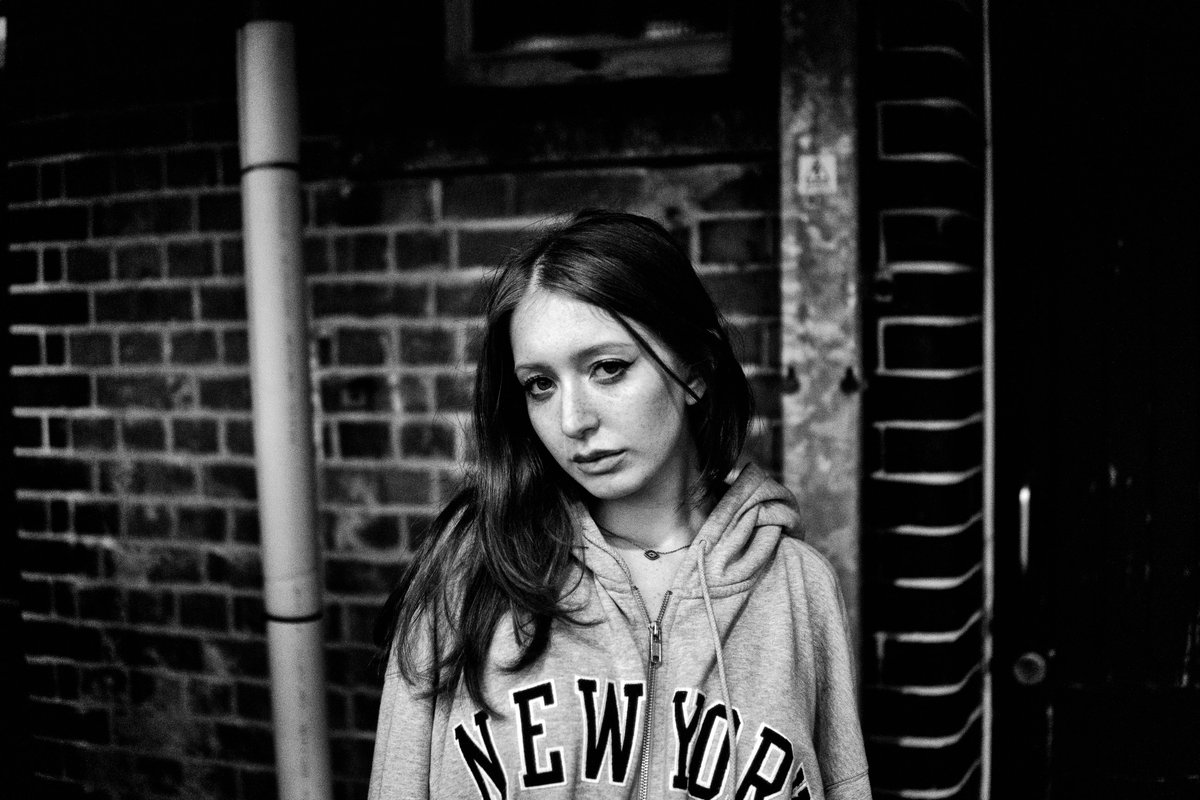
(818, 175)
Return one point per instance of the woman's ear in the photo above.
(698, 387)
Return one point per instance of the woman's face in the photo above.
(603, 408)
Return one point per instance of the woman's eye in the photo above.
(610, 370)
(538, 386)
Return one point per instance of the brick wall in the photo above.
(924, 664)
(135, 464)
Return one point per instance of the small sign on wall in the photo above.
(818, 174)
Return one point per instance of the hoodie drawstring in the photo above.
(717, 648)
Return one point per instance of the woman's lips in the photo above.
(598, 461)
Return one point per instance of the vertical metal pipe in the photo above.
(989, 399)
(277, 302)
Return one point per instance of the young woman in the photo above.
(608, 590)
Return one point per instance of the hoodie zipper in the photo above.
(654, 627)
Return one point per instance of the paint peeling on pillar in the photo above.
(819, 283)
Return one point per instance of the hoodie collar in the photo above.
(741, 535)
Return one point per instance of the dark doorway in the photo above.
(1097, 250)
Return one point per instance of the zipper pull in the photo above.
(655, 642)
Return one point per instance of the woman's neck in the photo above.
(661, 518)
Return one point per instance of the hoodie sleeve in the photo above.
(838, 733)
(400, 766)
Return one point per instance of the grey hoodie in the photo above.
(635, 705)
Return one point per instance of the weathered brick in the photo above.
(738, 241)
(454, 392)
(368, 300)
(315, 254)
(100, 603)
(139, 347)
(140, 172)
(52, 265)
(223, 303)
(362, 252)
(147, 477)
(364, 439)
(414, 393)
(233, 257)
(25, 348)
(96, 517)
(191, 168)
(143, 391)
(62, 721)
(239, 437)
(236, 347)
(57, 430)
(346, 576)
(52, 473)
(56, 557)
(141, 217)
(88, 265)
(755, 292)
(230, 480)
(52, 181)
(221, 212)
(48, 308)
(194, 435)
(163, 775)
(23, 182)
(93, 433)
(54, 348)
(476, 196)
(138, 648)
(194, 347)
(200, 523)
(362, 346)
(487, 248)
(380, 533)
(550, 193)
(373, 203)
(51, 391)
(139, 262)
(921, 128)
(190, 259)
(426, 345)
(144, 305)
(460, 300)
(354, 393)
(77, 642)
(60, 516)
(203, 610)
(88, 177)
(426, 440)
(22, 266)
(418, 250)
(923, 346)
(36, 596)
(253, 745)
(148, 606)
(146, 434)
(27, 432)
(952, 449)
(225, 393)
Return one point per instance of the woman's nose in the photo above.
(578, 414)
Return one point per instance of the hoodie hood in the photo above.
(735, 543)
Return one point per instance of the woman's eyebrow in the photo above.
(583, 355)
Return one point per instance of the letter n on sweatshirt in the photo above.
(485, 768)
(609, 732)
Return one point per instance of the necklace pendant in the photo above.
(651, 554)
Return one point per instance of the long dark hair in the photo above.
(503, 544)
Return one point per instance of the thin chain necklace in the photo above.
(648, 552)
